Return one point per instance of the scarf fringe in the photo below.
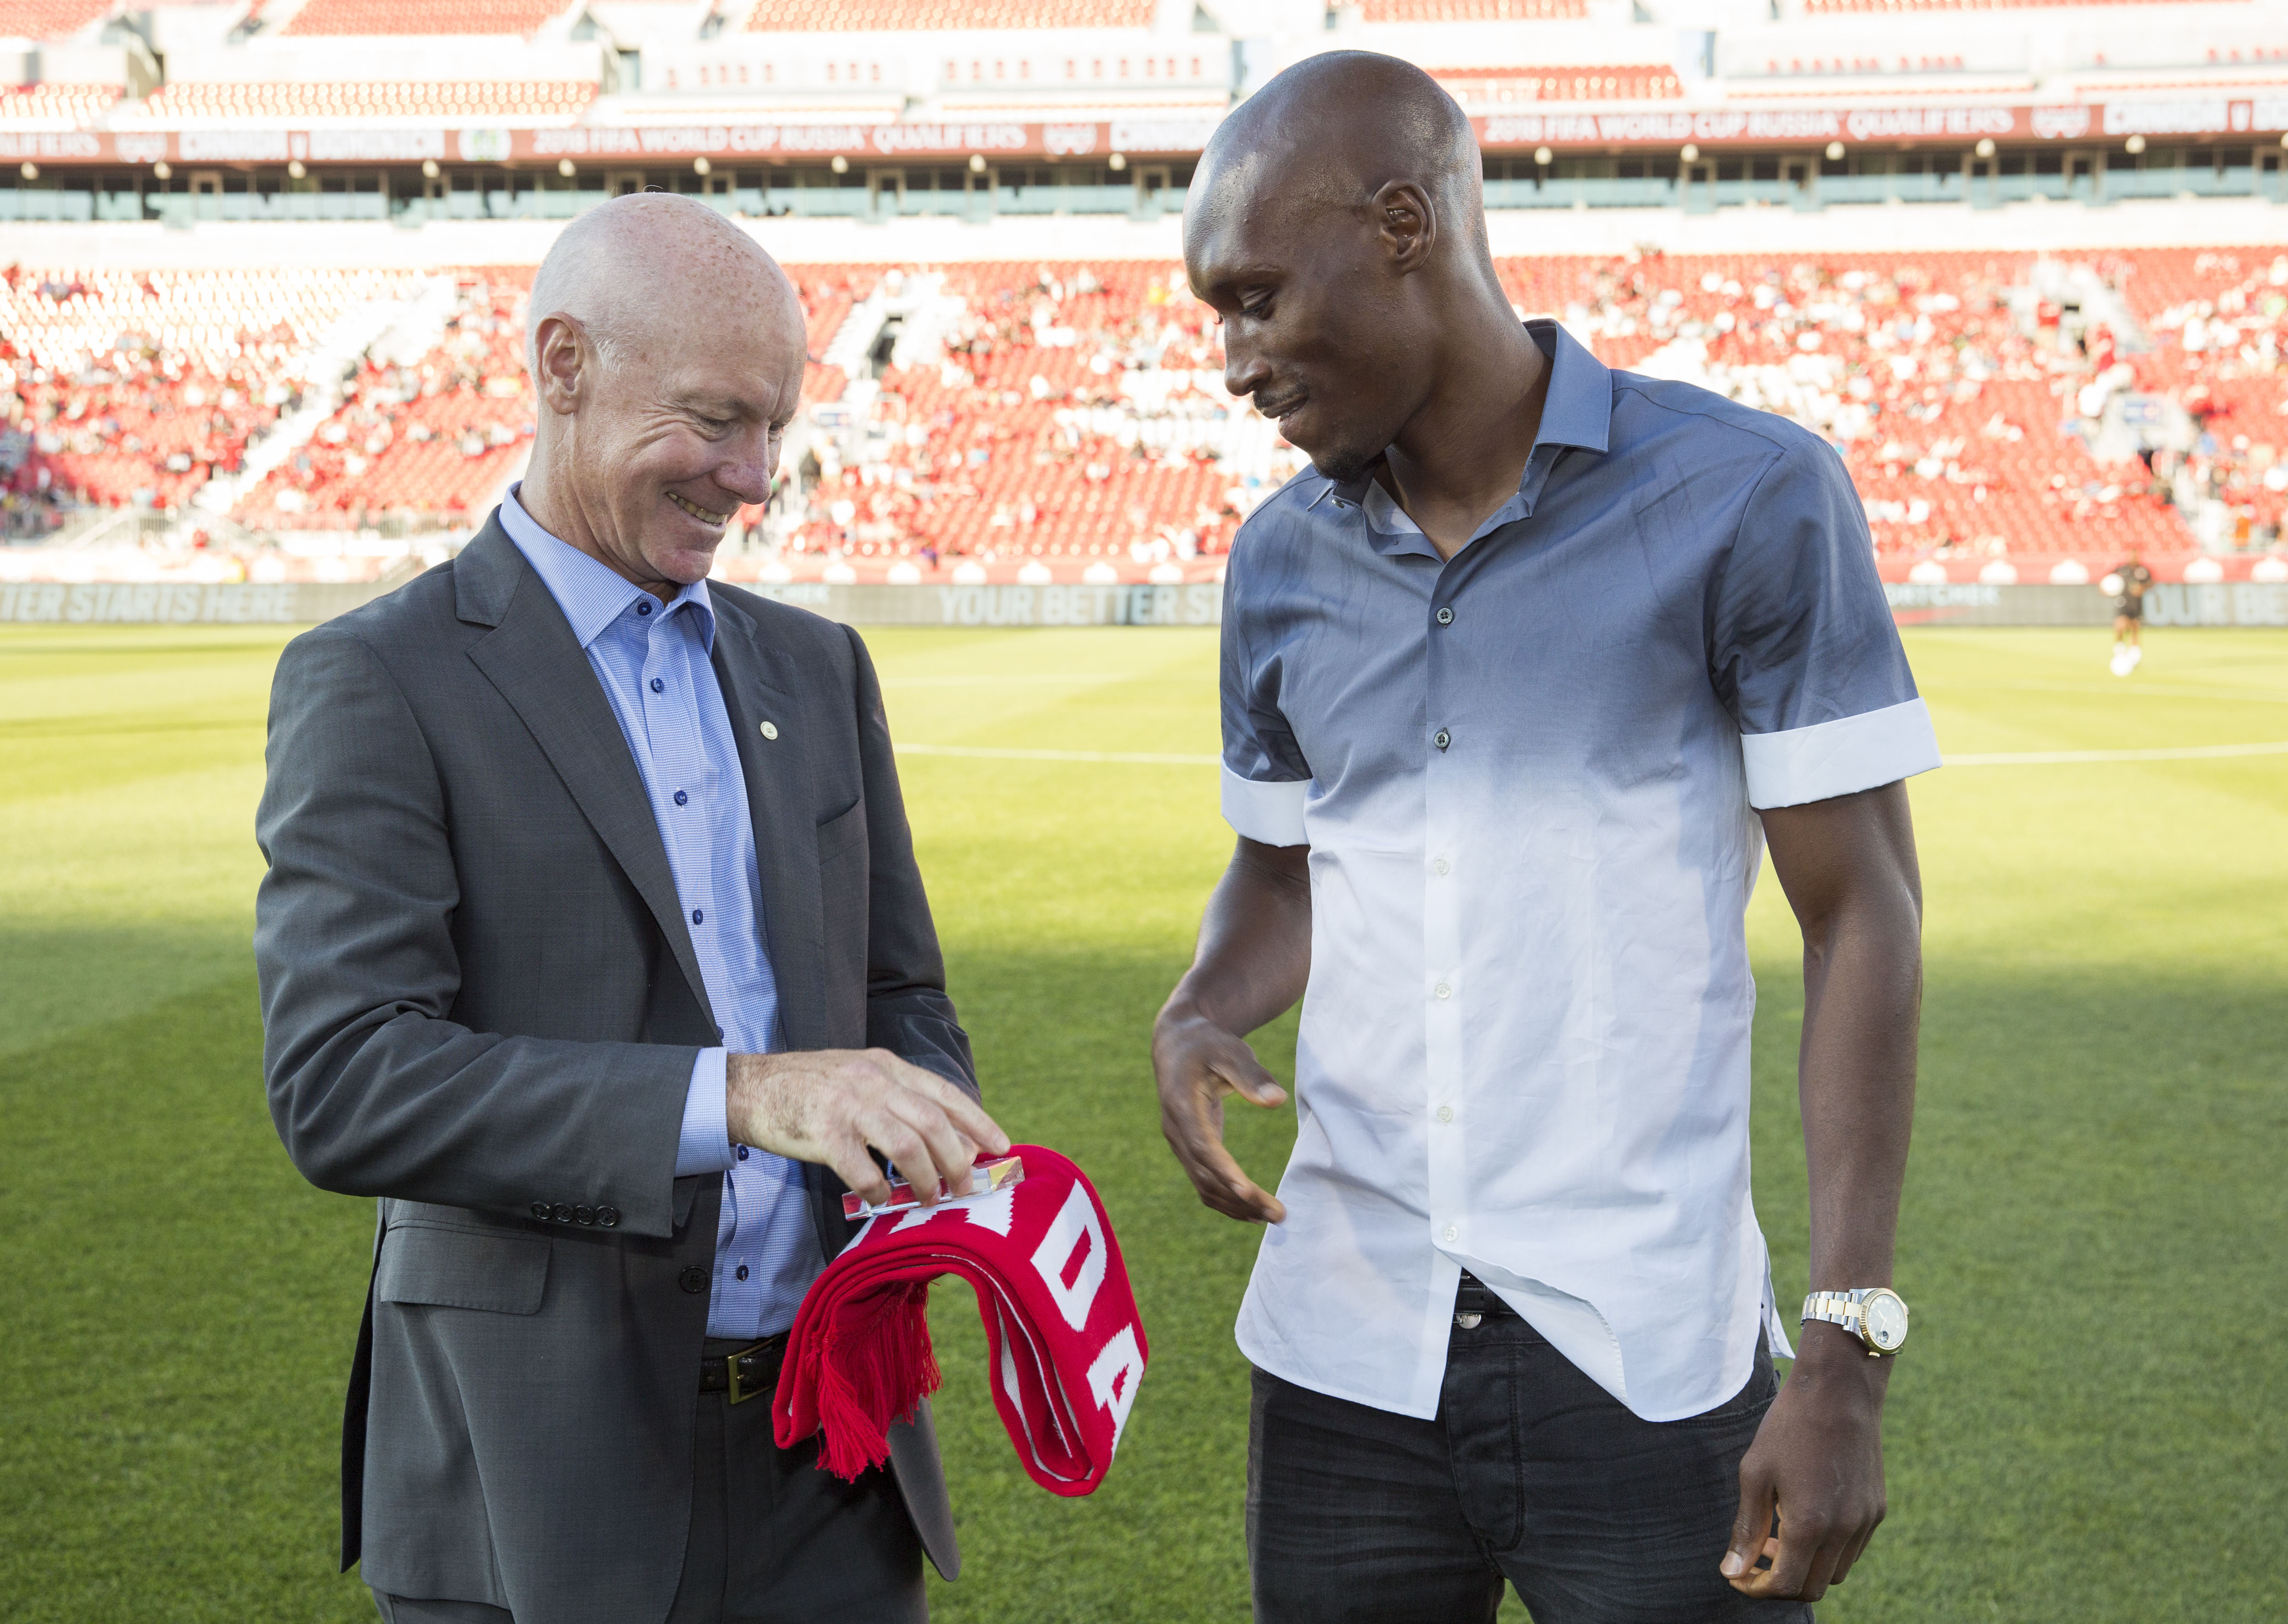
(874, 1365)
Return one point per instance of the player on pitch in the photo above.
(2128, 581)
(1516, 684)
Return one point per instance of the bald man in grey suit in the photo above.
(593, 945)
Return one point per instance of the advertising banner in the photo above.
(889, 141)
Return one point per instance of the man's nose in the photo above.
(1244, 371)
(754, 460)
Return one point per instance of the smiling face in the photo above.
(667, 350)
(1318, 327)
(672, 428)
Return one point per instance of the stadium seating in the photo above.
(48, 18)
(1817, 8)
(139, 385)
(847, 16)
(1474, 11)
(426, 443)
(399, 17)
(1029, 443)
(375, 99)
(1071, 418)
(70, 104)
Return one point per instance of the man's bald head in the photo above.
(648, 263)
(1327, 134)
(1336, 223)
(667, 352)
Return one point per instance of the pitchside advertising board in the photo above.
(180, 603)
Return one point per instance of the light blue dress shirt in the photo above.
(652, 660)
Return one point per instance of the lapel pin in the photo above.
(770, 729)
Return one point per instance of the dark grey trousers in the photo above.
(1530, 1473)
(774, 1539)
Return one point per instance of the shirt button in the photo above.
(1443, 990)
(1445, 617)
(1445, 1113)
(742, 1272)
(658, 687)
(699, 916)
(692, 1279)
(644, 607)
(743, 1152)
(1453, 1233)
(682, 799)
(1439, 865)
(1442, 738)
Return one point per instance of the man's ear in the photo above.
(1406, 222)
(567, 361)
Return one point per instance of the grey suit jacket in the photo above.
(479, 1001)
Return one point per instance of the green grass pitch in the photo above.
(2089, 1424)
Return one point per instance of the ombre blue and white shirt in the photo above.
(1529, 778)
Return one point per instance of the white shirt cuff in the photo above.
(705, 1146)
(1269, 814)
(1840, 758)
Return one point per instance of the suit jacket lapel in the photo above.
(757, 683)
(541, 670)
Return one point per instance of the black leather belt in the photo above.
(746, 1373)
(1474, 1302)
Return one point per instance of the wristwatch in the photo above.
(1876, 1314)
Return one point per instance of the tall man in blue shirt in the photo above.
(1516, 684)
(592, 944)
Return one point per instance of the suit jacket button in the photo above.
(608, 1217)
(560, 1213)
(692, 1279)
(583, 1215)
(540, 1211)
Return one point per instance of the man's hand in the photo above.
(1198, 1063)
(1817, 1462)
(828, 1105)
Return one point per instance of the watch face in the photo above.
(1886, 1321)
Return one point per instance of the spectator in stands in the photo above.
(586, 876)
(1516, 1318)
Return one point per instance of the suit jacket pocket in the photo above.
(463, 1269)
(842, 831)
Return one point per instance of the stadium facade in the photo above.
(472, 109)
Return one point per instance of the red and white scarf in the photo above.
(1066, 1346)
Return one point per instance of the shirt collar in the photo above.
(1577, 413)
(591, 594)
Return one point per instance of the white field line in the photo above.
(2057, 758)
(2012, 758)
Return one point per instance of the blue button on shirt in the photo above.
(655, 672)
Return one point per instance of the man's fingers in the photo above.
(1751, 1525)
(951, 1152)
(1800, 1543)
(1238, 1068)
(967, 1114)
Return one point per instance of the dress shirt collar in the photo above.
(1577, 414)
(591, 594)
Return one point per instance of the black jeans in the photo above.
(1531, 1472)
(774, 1539)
